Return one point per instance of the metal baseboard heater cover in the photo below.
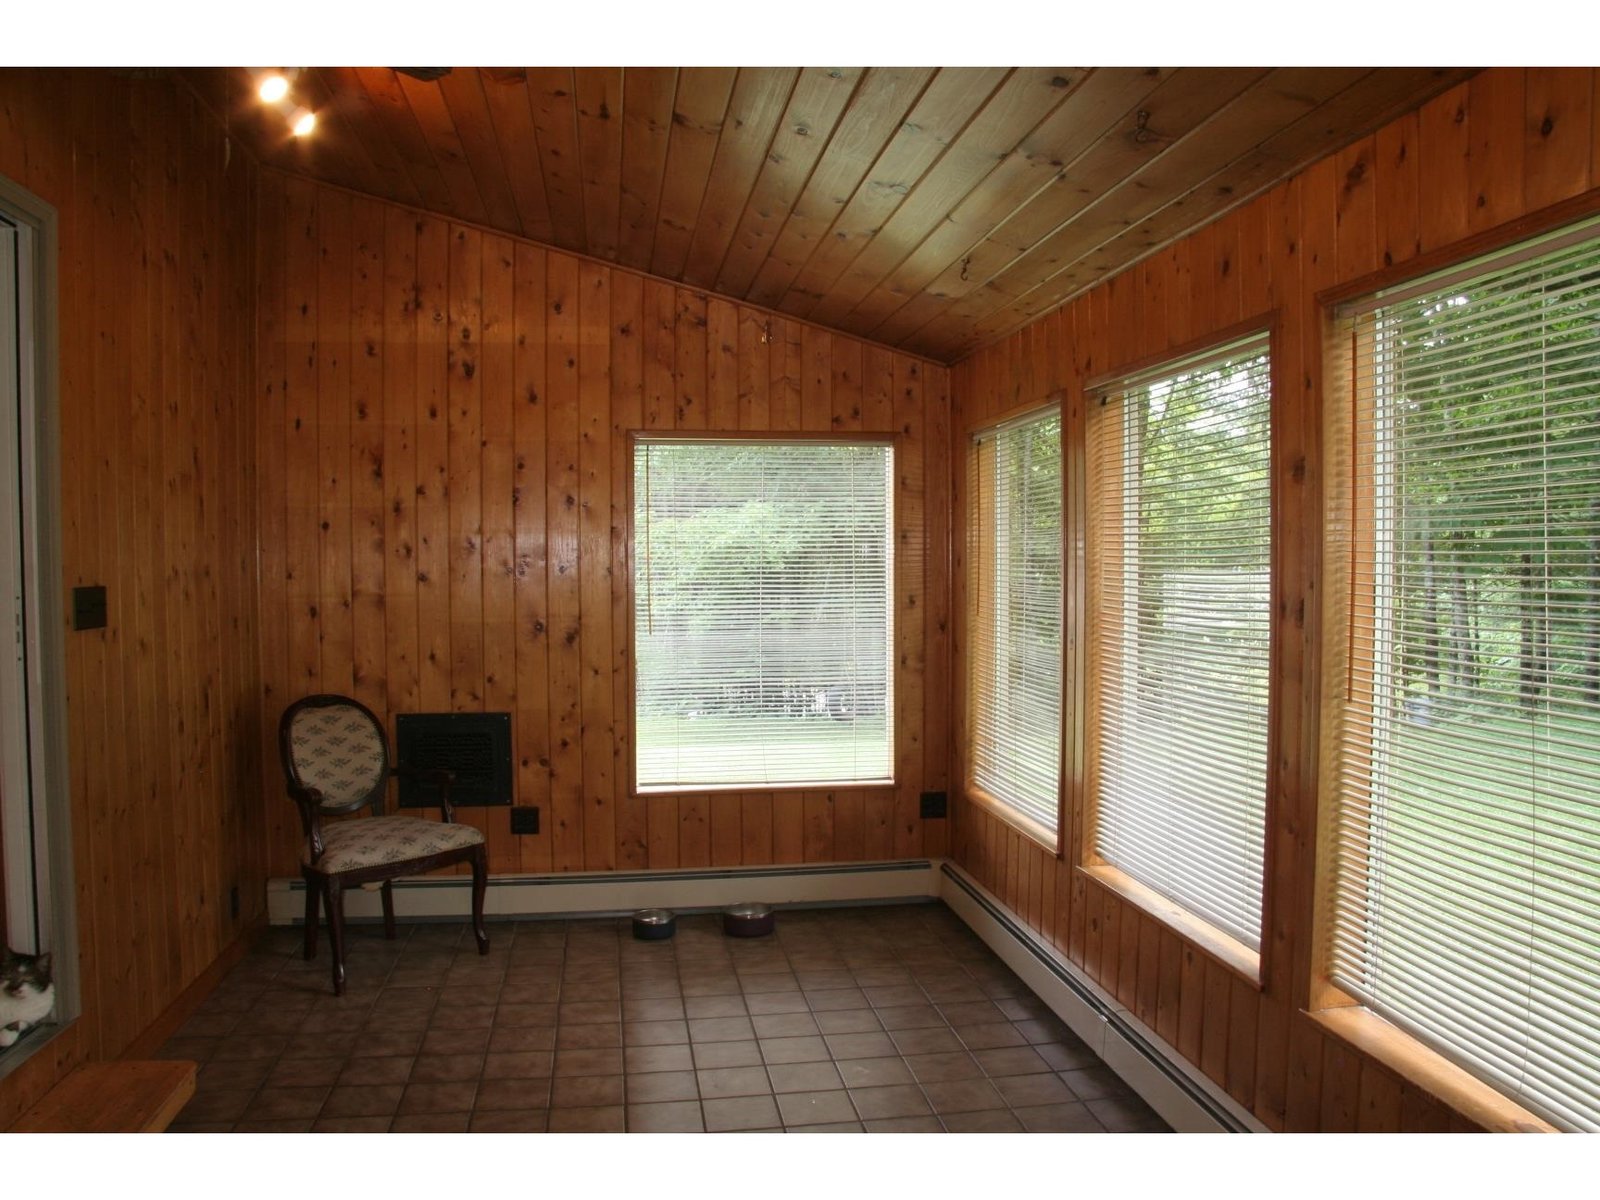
(476, 747)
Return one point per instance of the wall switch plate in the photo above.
(89, 607)
(525, 819)
(934, 804)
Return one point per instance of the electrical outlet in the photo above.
(89, 607)
(525, 819)
(934, 804)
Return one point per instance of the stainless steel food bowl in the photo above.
(654, 924)
(748, 920)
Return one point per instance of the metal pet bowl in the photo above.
(748, 920)
(654, 924)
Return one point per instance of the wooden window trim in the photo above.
(1228, 951)
(1362, 1029)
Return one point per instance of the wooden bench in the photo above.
(113, 1097)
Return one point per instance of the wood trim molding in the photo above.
(1228, 951)
(1047, 838)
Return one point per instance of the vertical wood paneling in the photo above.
(467, 499)
(1507, 143)
(157, 306)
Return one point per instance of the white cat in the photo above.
(26, 994)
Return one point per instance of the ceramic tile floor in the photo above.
(882, 1019)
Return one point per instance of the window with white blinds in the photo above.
(1014, 622)
(762, 602)
(1180, 520)
(1462, 754)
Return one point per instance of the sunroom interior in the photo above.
(1111, 556)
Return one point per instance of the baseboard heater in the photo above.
(608, 893)
(1186, 1099)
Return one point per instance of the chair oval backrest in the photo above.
(336, 745)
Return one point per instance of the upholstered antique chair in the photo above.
(336, 761)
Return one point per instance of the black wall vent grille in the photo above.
(476, 746)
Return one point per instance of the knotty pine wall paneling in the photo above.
(444, 480)
(1494, 149)
(158, 503)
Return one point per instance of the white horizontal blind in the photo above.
(1180, 549)
(1466, 758)
(762, 607)
(1015, 622)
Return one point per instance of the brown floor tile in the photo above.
(516, 1016)
(305, 1072)
(659, 1058)
(1094, 1083)
(709, 985)
(1043, 1031)
(990, 1120)
(665, 1008)
(976, 1012)
(874, 1072)
(847, 1020)
(1023, 1091)
(905, 1125)
(275, 1125)
(678, 1116)
(789, 1024)
(700, 1007)
(271, 1045)
(895, 997)
(881, 976)
(588, 1037)
(372, 1124)
(426, 1122)
(438, 1097)
(1127, 1114)
(591, 990)
(570, 1063)
(876, 1103)
(1010, 1060)
(941, 1068)
(607, 1119)
(804, 1077)
(195, 1049)
(962, 1095)
(952, 991)
(382, 1043)
(520, 1039)
(657, 1086)
(530, 1120)
(911, 1016)
(445, 1068)
(477, 1016)
(775, 983)
(520, 1094)
(926, 1041)
(225, 1105)
(364, 1100)
(529, 1064)
(648, 989)
(239, 1073)
(271, 1103)
(722, 1082)
(991, 1035)
(742, 1112)
(455, 1041)
(654, 1033)
(815, 1108)
(1059, 1118)
(859, 1045)
(367, 1071)
(586, 1091)
(836, 998)
(1024, 1008)
(836, 1127)
(710, 1055)
(794, 1049)
(589, 1012)
(1069, 1054)
(720, 1029)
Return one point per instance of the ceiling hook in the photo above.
(965, 263)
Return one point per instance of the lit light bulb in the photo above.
(304, 122)
(273, 88)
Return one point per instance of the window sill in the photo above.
(1047, 838)
(1363, 1030)
(721, 789)
(1228, 951)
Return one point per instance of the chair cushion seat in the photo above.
(374, 841)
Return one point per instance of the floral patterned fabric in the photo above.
(338, 751)
(370, 841)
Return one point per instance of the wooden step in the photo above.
(113, 1097)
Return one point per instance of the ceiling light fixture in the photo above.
(303, 122)
(273, 88)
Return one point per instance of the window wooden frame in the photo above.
(1231, 953)
(636, 437)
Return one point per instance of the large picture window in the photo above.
(1462, 751)
(1179, 568)
(1014, 622)
(762, 597)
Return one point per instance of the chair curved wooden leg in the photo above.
(480, 886)
(336, 931)
(313, 897)
(388, 909)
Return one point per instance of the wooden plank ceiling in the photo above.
(931, 209)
